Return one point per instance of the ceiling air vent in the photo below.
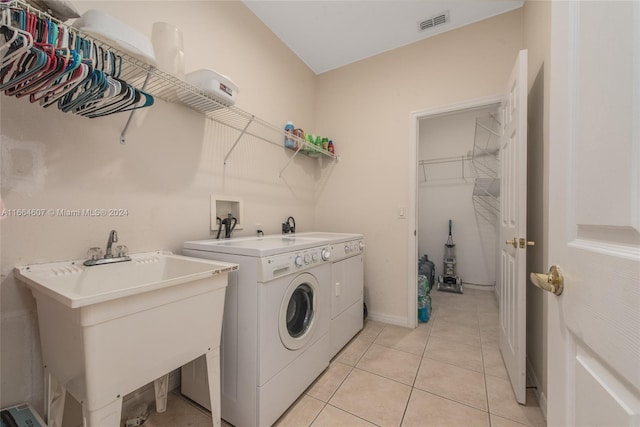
(439, 19)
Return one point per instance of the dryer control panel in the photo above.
(276, 266)
(346, 249)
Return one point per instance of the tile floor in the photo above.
(447, 372)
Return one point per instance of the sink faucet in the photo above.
(95, 254)
(113, 237)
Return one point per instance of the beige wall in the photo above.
(537, 34)
(163, 176)
(366, 106)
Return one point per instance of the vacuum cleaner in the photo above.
(449, 281)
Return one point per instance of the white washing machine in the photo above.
(347, 285)
(275, 334)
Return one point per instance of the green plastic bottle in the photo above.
(310, 140)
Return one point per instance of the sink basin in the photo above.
(75, 285)
(109, 329)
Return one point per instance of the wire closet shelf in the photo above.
(480, 167)
(171, 89)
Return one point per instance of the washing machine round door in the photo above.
(298, 312)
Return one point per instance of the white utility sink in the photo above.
(109, 329)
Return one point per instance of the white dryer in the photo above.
(347, 285)
(275, 335)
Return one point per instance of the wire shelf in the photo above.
(486, 166)
(176, 91)
(169, 88)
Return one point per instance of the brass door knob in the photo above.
(513, 242)
(552, 282)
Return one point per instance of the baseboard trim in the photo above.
(479, 287)
(542, 399)
(386, 318)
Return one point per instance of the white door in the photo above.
(594, 214)
(513, 227)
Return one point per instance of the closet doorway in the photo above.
(458, 180)
(455, 169)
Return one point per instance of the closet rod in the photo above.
(445, 160)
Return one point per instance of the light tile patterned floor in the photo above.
(448, 372)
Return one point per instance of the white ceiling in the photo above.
(331, 33)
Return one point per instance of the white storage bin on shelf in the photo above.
(219, 86)
(98, 24)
